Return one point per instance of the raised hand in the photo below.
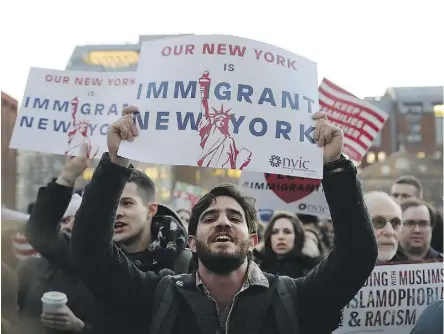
(74, 167)
(124, 129)
(329, 136)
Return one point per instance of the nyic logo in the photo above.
(290, 163)
(275, 161)
(312, 208)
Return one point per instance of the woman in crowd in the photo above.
(283, 253)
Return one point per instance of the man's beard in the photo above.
(222, 263)
(386, 254)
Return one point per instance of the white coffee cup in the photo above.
(53, 300)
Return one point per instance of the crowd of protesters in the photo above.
(128, 264)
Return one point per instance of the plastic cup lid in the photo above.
(54, 297)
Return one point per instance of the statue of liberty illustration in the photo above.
(218, 146)
(78, 134)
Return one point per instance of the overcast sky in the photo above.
(364, 46)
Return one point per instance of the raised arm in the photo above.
(103, 267)
(41, 228)
(339, 277)
(49, 208)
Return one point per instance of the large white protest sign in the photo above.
(63, 109)
(226, 102)
(393, 298)
(360, 120)
(288, 193)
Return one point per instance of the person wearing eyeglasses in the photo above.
(416, 234)
(386, 218)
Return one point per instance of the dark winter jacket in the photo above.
(37, 276)
(322, 294)
(41, 232)
(292, 265)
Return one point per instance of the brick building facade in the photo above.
(9, 156)
(413, 125)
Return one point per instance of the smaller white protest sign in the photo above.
(226, 102)
(185, 195)
(288, 193)
(360, 120)
(61, 110)
(393, 298)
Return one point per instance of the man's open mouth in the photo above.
(223, 238)
(119, 225)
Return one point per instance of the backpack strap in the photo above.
(285, 311)
(182, 262)
(162, 305)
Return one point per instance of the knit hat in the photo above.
(73, 206)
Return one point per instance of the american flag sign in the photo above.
(22, 249)
(360, 120)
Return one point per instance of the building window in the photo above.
(164, 193)
(152, 173)
(413, 118)
(371, 157)
(219, 172)
(438, 109)
(414, 128)
(414, 138)
(164, 173)
(412, 108)
(234, 173)
(88, 173)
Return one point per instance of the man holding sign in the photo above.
(228, 293)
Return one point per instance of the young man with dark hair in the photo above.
(132, 228)
(228, 190)
(145, 186)
(406, 187)
(222, 264)
(236, 296)
(149, 235)
(409, 187)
